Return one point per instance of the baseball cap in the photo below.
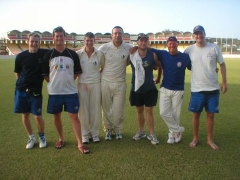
(140, 36)
(172, 38)
(198, 28)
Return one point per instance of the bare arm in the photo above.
(46, 78)
(75, 76)
(157, 62)
(224, 77)
(17, 75)
(128, 60)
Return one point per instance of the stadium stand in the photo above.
(16, 41)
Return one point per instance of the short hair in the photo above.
(59, 29)
(119, 27)
(34, 34)
(90, 35)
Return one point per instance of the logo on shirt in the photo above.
(179, 64)
(209, 55)
(94, 63)
(67, 66)
(61, 63)
(123, 56)
(145, 64)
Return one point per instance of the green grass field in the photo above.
(122, 159)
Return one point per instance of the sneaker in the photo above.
(139, 135)
(171, 138)
(118, 135)
(178, 136)
(42, 142)
(96, 139)
(31, 143)
(153, 139)
(108, 135)
(85, 140)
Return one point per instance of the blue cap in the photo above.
(198, 28)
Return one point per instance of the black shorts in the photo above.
(149, 99)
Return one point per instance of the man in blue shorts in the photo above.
(174, 64)
(28, 93)
(61, 66)
(143, 91)
(204, 82)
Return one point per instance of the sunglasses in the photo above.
(140, 36)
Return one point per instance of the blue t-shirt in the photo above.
(173, 68)
(148, 64)
(29, 67)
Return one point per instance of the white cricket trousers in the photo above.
(113, 104)
(90, 108)
(170, 104)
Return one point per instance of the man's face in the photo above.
(33, 44)
(142, 43)
(199, 36)
(89, 42)
(172, 47)
(59, 38)
(117, 35)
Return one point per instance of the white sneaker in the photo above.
(178, 136)
(139, 135)
(171, 138)
(85, 140)
(31, 143)
(96, 139)
(118, 135)
(108, 134)
(153, 139)
(42, 142)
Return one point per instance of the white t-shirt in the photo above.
(115, 61)
(90, 66)
(204, 63)
(61, 67)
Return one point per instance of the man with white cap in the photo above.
(204, 82)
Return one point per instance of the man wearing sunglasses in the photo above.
(61, 66)
(113, 83)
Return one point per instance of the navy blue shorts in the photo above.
(56, 103)
(27, 103)
(200, 100)
(149, 99)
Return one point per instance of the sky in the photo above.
(220, 18)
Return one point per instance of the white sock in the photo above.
(32, 136)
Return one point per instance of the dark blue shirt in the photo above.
(29, 67)
(173, 69)
(148, 64)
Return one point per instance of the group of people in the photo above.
(102, 85)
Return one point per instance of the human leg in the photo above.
(211, 108)
(95, 105)
(58, 125)
(83, 113)
(28, 127)
(40, 125)
(141, 121)
(107, 105)
(195, 125)
(210, 125)
(26, 123)
(118, 106)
